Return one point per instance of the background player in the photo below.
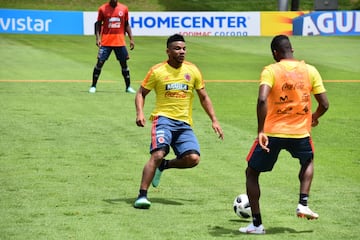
(110, 29)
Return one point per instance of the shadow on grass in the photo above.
(277, 230)
(218, 231)
(130, 201)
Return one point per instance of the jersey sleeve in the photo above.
(267, 76)
(126, 15)
(316, 80)
(149, 80)
(100, 17)
(199, 81)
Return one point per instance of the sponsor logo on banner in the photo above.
(188, 23)
(235, 24)
(40, 22)
(328, 23)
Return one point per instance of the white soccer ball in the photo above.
(242, 206)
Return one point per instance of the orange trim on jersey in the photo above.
(312, 145)
(146, 79)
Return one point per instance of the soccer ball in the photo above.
(242, 206)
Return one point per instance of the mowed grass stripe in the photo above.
(73, 57)
(113, 81)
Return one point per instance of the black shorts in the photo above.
(262, 161)
(121, 53)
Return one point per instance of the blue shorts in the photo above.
(121, 53)
(262, 161)
(166, 132)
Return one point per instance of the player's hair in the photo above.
(281, 43)
(175, 38)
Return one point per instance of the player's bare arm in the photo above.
(264, 91)
(209, 109)
(323, 106)
(139, 105)
(129, 33)
(97, 33)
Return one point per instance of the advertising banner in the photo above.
(234, 24)
(274, 23)
(187, 23)
(327, 23)
(40, 22)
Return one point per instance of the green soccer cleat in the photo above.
(130, 90)
(156, 180)
(142, 203)
(92, 90)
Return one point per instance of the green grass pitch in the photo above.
(71, 162)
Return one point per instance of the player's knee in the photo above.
(196, 160)
(158, 155)
(125, 72)
(124, 66)
(192, 159)
(125, 69)
(251, 173)
(99, 65)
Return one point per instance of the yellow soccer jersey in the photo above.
(174, 89)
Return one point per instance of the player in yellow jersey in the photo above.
(174, 82)
(284, 122)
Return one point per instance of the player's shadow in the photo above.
(218, 231)
(164, 201)
(278, 230)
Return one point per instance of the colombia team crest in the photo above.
(187, 77)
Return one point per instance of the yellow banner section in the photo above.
(274, 23)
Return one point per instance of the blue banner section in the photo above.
(327, 23)
(41, 22)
